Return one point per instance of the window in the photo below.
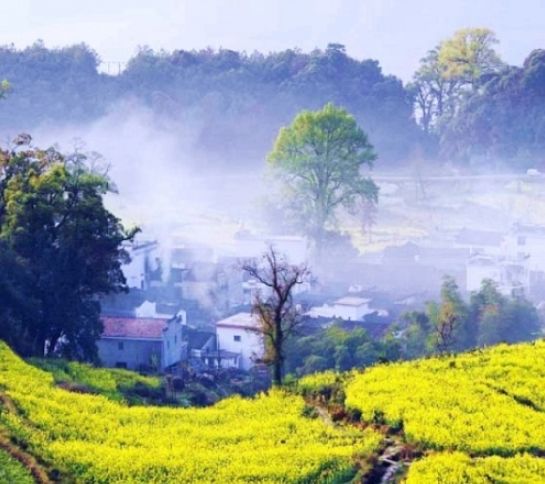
(120, 346)
(236, 337)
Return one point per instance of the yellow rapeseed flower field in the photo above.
(97, 440)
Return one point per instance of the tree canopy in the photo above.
(452, 324)
(222, 94)
(60, 248)
(449, 72)
(319, 159)
(504, 120)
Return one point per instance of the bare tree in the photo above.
(277, 314)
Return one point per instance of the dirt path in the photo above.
(37, 470)
(392, 461)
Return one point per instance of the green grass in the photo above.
(116, 384)
(12, 471)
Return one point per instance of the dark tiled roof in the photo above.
(196, 339)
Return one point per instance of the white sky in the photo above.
(396, 32)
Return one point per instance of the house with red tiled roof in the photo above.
(133, 343)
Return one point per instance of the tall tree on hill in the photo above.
(449, 72)
(277, 314)
(319, 159)
(469, 55)
(68, 247)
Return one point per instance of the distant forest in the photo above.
(240, 100)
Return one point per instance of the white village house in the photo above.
(239, 334)
(349, 308)
(144, 343)
(133, 343)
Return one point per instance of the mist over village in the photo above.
(272, 243)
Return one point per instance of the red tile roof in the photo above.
(137, 328)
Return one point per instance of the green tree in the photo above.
(4, 88)
(502, 319)
(416, 334)
(451, 71)
(68, 247)
(435, 95)
(468, 55)
(319, 159)
(502, 121)
(449, 319)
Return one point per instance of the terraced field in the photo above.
(91, 438)
(484, 410)
(477, 417)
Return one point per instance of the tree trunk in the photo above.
(278, 369)
(277, 372)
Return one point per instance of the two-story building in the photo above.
(239, 335)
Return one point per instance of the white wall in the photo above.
(249, 346)
(532, 245)
(174, 349)
(135, 271)
(341, 311)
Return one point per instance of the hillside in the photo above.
(208, 101)
(476, 417)
(91, 438)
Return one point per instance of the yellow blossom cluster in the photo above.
(97, 440)
(487, 401)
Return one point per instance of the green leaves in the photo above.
(66, 244)
(4, 88)
(319, 159)
(469, 54)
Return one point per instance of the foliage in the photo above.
(229, 94)
(93, 439)
(12, 471)
(449, 72)
(337, 349)
(469, 55)
(503, 120)
(457, 467)
(319, 159)
(453, 325)
(114, 383)
(484, 402)
(449, 319)
(4, 88)
(318, 382)
(59, 249)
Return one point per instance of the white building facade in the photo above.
(349, 308)
(240, 334)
